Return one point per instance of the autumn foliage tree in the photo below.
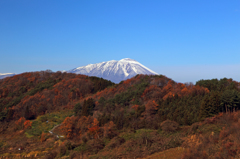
(22, 123)
(93, 129)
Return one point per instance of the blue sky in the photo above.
(185, 40)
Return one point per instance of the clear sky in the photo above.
(186, 40)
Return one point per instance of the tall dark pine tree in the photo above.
(77, 109)
(210, 105)
(84, 109)
(88, 106)
(230, 100)
(27, 113)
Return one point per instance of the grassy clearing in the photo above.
(135, 135)
(173, 153)
(46, 122)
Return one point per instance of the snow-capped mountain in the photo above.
(3, 75)
(114, 71)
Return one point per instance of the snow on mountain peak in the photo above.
(113, 70)
(4, 75)
(128, 60)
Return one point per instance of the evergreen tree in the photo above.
(210, 105)
(27, 113)
(230, 100)
(77, 109)
(84, 109)
(88, 107)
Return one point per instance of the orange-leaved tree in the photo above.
(20, 123)
(94, 129)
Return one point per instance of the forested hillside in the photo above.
(63, 115)
(32, 94)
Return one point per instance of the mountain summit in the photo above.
(113, 70)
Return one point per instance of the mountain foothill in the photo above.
(74, 114)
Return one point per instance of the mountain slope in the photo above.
(3, 75)
(113, 70)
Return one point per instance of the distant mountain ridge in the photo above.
(113, 70)
(4, 75)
